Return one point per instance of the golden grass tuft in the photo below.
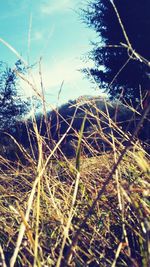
(85, 211)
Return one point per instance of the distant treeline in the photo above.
(53, 125)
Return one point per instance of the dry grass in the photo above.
(78, 212)
(81, 212)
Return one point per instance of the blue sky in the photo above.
(52, 30)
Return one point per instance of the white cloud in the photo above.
(64, 70)
(43, 36)
(38, 35)
(54, 6)
(54, 74)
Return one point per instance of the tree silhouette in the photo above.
(122, 53)
(12, 105)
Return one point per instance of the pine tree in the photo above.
(121, 54)
(12, 105)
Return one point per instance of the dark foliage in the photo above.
(13, 108)
(58, 121)
(116, 69)
(12, 105)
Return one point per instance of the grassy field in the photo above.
(85, 211)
